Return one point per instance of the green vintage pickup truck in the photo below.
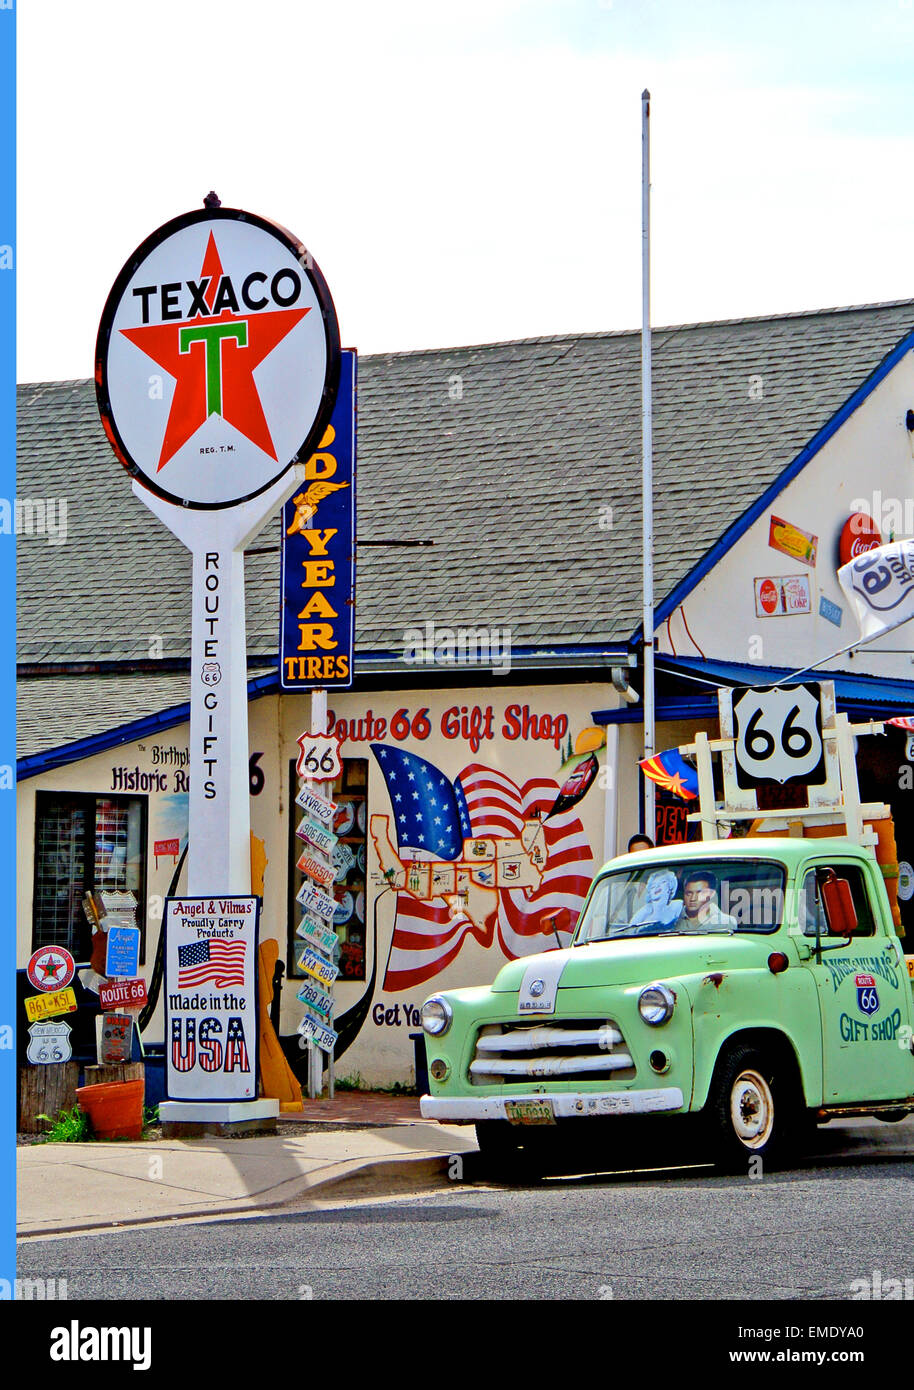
(759, 983)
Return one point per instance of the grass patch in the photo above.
(357, 1082)
(70, 1127)
(354, 1082)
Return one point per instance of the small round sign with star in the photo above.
(51, 967)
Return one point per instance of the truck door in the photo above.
(864, 997)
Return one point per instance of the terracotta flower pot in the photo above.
(115, 1108)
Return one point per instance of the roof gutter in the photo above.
(580, 659)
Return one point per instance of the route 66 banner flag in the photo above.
(879, 586)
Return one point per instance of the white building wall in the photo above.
(868, 460)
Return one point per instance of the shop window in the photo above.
(350, 792)
(85, 843)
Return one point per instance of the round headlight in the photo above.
(436, 1015)
(656, 1004)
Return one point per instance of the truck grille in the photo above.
(588, 1049)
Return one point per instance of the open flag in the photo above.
(879, 585)
(900, 723)
(672, 773)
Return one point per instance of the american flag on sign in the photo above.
(433, 817)
(211, 962)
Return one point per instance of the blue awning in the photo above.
(687, 689)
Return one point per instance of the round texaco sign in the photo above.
(51, 967)
(217, 359)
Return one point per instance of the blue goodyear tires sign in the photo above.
(318, 556)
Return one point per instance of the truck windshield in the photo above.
(686, 898)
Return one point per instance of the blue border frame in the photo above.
(8, 663)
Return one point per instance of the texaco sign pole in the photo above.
(219, 823)
(217, 366)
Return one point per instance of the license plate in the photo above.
(530, 1112)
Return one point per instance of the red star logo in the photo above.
(212, 359)
(51, 967)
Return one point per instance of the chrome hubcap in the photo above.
(751, 1109)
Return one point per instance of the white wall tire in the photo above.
(751, 1110)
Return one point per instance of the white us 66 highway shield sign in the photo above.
(778, 735)
(217, 361)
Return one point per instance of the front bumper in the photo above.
(566, 1105)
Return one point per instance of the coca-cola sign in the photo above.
(859, 534)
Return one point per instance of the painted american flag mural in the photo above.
(476, 857)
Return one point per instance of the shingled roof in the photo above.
(501, 455)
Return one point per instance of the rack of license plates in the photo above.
(317, 944)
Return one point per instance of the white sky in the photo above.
(469, 170)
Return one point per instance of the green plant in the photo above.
(70, 1127)
(397, 1088)
(150, 1116)
(355, 1082)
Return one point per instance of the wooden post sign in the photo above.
(217, 371)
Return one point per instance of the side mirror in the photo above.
(839, 905)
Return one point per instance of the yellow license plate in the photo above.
(530, 1112)
(38, 1006)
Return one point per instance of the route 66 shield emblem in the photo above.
(778, 734)
(867, 997)
(49, 1042)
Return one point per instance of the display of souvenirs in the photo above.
(344, 908)
(352, 958)
(344, 860)
(349, 862)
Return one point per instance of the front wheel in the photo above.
(750, 1109)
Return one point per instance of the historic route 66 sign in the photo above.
(49, 1042)
(319, 759)
(867, 995)
(778, 735)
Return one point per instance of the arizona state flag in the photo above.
(672, 773)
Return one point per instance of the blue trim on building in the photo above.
(150, 724)
(860, 697)
(848, 686)
(761, 504)
(124, 733)
(673, 707)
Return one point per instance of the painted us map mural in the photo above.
(478, 856)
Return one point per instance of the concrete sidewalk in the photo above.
(78, 1187)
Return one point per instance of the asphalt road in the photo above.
(806, 1234)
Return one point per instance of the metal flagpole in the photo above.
(647, 479)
